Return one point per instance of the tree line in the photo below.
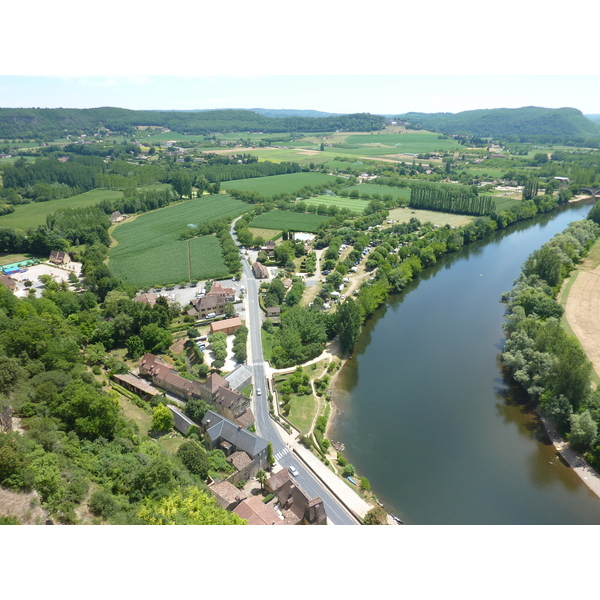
(539, 354)
(452, 201)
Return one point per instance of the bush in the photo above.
(268, 498)
(103, 504)
(348, 470)
(365, 484)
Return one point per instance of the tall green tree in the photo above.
(162, 418)
(349, 321)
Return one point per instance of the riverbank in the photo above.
(574, 460)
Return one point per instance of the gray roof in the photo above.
(239, 378)
(182, 423)
(227, 430)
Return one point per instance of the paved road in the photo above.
(265, 426)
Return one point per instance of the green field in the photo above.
(412, 142)
(34, 213)
(278, 184)
(293, 221)
(371, 188)
(354, 204)
(150, 253)
(506, 203)
(302, 156)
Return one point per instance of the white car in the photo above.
(258, 391)
(293, 471)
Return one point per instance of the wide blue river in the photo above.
(426, 413)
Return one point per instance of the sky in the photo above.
(378, 57)
(379, 94)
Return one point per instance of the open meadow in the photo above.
(292, 221)
(403, 215)
(149, 252)
(34, 213)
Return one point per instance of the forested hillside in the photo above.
(523, 124)
(50, 123)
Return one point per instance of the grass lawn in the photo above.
(170, 442)
(506, 203)
(136, 414)
(266, 234)
(7, 259)
(34, 213)
(293, 221)
(267, 344)
(302, 408)
(278, 184)
(149, 251)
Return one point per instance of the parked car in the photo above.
(293, 471)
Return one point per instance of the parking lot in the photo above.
(33, 274)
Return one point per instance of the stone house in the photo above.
(256, 512)
(59, 257)
(235, 441)
(296, 506)
(269, 247)
(201, 307)
(227, 495)
(260, 271)
(9, 282)
(214, 391)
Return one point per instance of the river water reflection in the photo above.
(426, 414)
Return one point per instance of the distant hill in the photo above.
(527, 124)
(290, 112)
(595, 118)
(51, 123)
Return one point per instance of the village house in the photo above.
(227, 495)
(273, 312)
(269, 247)
(59, 257)
(227, 326)
(217, 289)
(235, 442)
(146, 299)
(260, 271)
(116, 217)
(9, 282)
(214, 391)
(239, 378)
(136, 385)
(181, 422)
(296, 506)
(201, 307)
(256, 512)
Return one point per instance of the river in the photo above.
(426, 413)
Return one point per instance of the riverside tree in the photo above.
(349, 321)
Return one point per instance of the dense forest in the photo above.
(51, 123)
(528, 124)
